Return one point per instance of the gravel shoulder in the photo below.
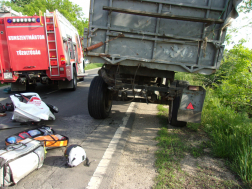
(197, 168)
(136, 168)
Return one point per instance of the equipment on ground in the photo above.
(19, 160)
(43, 133)
(75, 155)
(28, 107)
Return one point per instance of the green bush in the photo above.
(93, 66)
(231, 134)
(227, 110)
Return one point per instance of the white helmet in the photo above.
(75, 155)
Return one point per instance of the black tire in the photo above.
(174, 113)
(74, 80)
(99, 103)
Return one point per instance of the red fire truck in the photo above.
(43, 48)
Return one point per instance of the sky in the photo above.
(84, 4)
(243, 31)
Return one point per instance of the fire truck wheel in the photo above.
(174, 114)
(99, 103)
(74, 80)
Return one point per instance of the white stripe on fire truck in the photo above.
(30, 52)
(26, 37)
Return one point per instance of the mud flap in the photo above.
(191, 104)
(65, 84)
(17, 86)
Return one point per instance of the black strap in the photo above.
(23, 96)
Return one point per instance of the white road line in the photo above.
(100, 171)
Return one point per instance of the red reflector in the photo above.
(62, 59)
(190, 106)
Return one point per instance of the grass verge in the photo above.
(184, 159)
(231, 134)
(230, 131)
(93, 66)
(170, 152)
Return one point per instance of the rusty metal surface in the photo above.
(156, 42)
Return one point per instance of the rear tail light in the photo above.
(62, 60)
(2, 21)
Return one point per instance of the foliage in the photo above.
(20, 3)
(227, 111)
(71, 11)
(171, 151)
(246, 6)
(231, 134)
(93, 66)
(236, 88)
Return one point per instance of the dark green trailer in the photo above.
(143, 43)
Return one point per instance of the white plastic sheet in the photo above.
(33, 110)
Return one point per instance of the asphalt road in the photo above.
(73, 121)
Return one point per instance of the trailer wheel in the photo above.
(99, 103)
(74, 80)
(173, 110)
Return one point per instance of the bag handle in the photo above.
(24, 97)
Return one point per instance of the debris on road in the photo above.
(7, 90)
(9, 107)
(2, 108)
(75, 155)
(2, 114)
(43, 133)
(29, 107)
(19, 160)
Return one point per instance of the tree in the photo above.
(71, 11)
(20, 3)
(246, 6)
(233, 81)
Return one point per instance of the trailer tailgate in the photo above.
(181, 35)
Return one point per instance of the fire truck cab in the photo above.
(44, 48)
